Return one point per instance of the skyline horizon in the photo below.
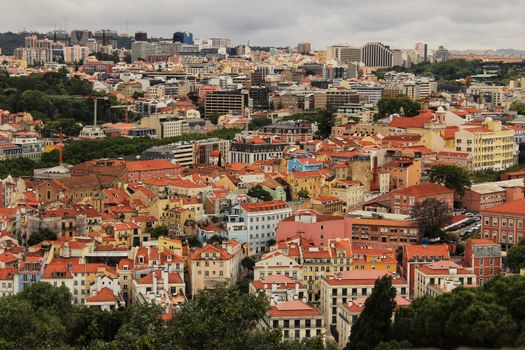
(465, 25)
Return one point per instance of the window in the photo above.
(286, 323)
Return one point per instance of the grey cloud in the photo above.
(453, 23)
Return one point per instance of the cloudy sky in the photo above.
(457, 24)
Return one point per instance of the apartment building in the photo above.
(492, 145)
(349, 313)
(403, 200)
(344, 287)
(212, 265)
(503, 223)
(483, 256)
(417, 256)
(257, 223)
(441, 277)
(296, 319)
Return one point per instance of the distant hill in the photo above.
(9, 41)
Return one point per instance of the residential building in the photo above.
(296, 319)
(402, 201)
(212, 265)
(348, 314)
(503, 223)
(417, 256)
(314, 227)
(279, 288)
(276, 263)
(483, 256)
(492, 145)
(257, 223)
(441, 277)
(344, 287)
(403, 173)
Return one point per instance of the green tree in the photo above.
(223, 318)
(325, 124)
(214, 118)
(388, 105)
(157, 231)
(248, 263)
(193, 242)
(303, 193)
(260, 193)
(216, 239)
(44, 234)
(452, 177)
(517, 107)
(144, 328)
(258, 122)
(516, 256)
(373, 325)
(431, 215)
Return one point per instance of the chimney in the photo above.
(165, 280)
(154, 281)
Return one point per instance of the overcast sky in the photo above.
(457, 24)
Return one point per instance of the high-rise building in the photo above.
(219, 42)
(106, 37)
(441, 54)
(183, 37)
(75, 53)
(59, 36)
(344, 53)
(141, 36)
(304, 48)
(425, 53)
(80, 37)
(225, 102)
(397, 57)
(376, 55)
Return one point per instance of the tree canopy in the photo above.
(490, 317)
(388, 105)
(516, 256)
(373, 325)
(452, 177)
(431, 215)
(260, 193)
(40, 236)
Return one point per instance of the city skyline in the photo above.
(465, 25)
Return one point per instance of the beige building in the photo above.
(349, 191)
(491, 145)
(276, 263)
(346, 286)
(441, 277)
(297, 320)
(212, 265)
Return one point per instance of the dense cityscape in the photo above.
(197, 193)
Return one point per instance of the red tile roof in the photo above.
(105, 295)
(423, 190)
(264, 206)
(148, 165)
(417, 121)
(516, 207)
(419, 251)
(293, 308)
